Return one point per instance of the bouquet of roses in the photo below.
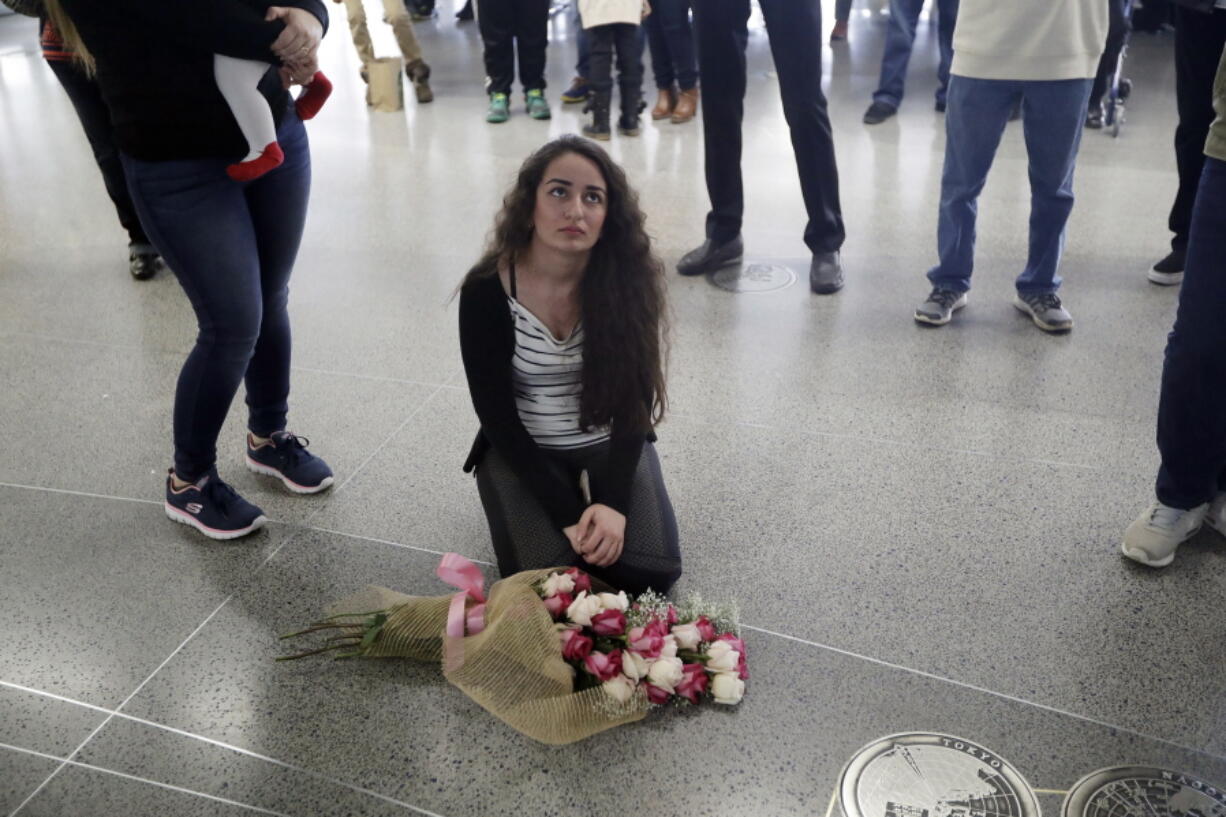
(644, 646)
(552, 653)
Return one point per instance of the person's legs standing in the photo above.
(360, 33)
(496, 20)
(600, 62)
(1052, 122)
(397, 16)
(531, 41)
(657, 41)
(277, 203)
(628, 44)
(1192, 409)
(1192, 406)
(947, 17)
(899, 40)
(794, 27)
(842, 13)
(976, 118)
(1199, 40)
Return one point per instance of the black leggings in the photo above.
(525, 538)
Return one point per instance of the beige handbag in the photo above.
(386, 89)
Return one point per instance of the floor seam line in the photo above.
(144, 780)
(983, 690)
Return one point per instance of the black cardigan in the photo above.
(487, 343)
(155, 69)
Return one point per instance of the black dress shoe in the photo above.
(711, 256)
(878, 112)
(826, 273)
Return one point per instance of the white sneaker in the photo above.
(1153, 536)
(1216, 517)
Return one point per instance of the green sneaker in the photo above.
(538, 108)
(500, 109)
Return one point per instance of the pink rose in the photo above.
(575, 645)
(582, 580)
(738, 645)
(655, 694)
(648, 641)
(604, 666)
(706, 630)
(556, 605)
(672, 615)
(609, 622)
(693, 683)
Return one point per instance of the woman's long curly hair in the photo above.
(623, 305)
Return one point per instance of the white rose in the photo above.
(666, 673)
(727, 688)
(687, 636)
(721, 657)
(669, 650)
(583, 608)
(634, 665)
(558, 583)
(619, 688)
(610, 601)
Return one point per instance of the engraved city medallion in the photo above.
(932, 775)
(754, 278)
(1143, 791)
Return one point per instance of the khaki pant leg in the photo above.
(397, 15)
(359, 31)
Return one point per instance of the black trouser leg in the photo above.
(1199, 39)
(496, 20)
(795, 28)
(600, 62)
(628, 42)
(721, 32)
(532, 40)
(96, 120)
(1117, 34)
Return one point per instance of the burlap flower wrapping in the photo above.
(513, 669)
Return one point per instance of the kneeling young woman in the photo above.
(562, 326)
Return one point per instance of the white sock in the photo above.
(238, 81)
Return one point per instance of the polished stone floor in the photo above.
(921, 526)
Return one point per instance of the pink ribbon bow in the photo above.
(460, 572)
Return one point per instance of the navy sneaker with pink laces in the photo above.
(212, 507)
(285, 457)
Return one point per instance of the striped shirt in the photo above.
(547, 376)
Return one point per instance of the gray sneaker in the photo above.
(939, 309)
(1153, 537)
(1045, 310)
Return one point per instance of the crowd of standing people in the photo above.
(562, 321)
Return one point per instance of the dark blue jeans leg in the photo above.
(584, 45)
(1192, 409)
(669, 24)
(899, 39)
(661, 57)
(976, 118)
(232, 247)
(842, 10)
(1053, 117)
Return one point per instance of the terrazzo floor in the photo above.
(921, 526)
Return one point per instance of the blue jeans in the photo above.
(582, 67)
(1052, 115)
(232, 247)
(900, 37)
(1192, 409)
(672, 44)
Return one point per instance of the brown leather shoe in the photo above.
(664, 104)
(687, 106)
(419, 74)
